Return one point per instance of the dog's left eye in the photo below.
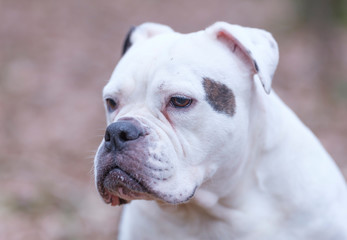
(180, 102)
(111, 104)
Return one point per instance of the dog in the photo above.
(198, 146)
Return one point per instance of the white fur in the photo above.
(261, 174)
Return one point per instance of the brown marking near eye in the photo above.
(219, 96)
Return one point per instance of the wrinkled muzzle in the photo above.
(119, 163)
(136, 162)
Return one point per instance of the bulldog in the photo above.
(198, 146)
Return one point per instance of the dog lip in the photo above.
(118, 178)
(114, 200)
(119, 187)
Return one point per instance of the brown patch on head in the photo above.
(219, 96)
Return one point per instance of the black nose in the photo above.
(118, 134)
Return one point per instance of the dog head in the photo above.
(177, 110)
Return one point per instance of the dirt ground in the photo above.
(55, 57)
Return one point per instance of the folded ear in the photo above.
(255, 47)
(143, 32)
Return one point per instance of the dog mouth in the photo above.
(120, 187)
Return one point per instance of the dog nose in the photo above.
(118, 134)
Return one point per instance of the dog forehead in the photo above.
(140, 60)
(167, 54)
(173, 61)
(152, 51)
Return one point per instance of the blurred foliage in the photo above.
(340, 11)
(324, 19)
(340, 91)
(322, 12)
(36, 205)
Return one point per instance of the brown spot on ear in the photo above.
(219, 96)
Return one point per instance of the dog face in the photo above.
(176, 108)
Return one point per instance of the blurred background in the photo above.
(56, 56)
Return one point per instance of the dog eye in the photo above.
(111, 104)
(180, 102)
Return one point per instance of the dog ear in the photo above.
(255, 47)
(143, 32)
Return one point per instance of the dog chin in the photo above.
(118, 188)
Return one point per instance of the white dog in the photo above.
(203, 150)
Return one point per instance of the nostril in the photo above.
(129, 134)
(107, 136)
(123, 136)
